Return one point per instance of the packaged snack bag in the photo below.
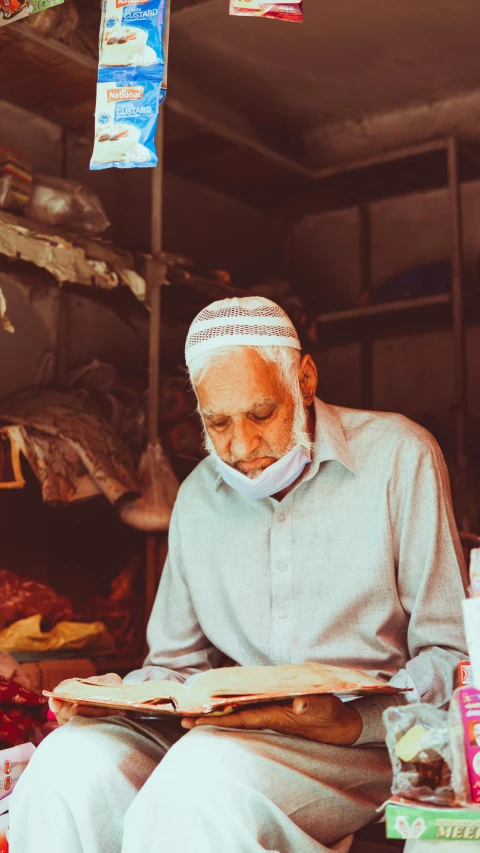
(291, 11)
(131, 34)
(419, 748)
(464, 722)
(14, 10)
(126, 120)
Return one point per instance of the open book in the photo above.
(222, 690)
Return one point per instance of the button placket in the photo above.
(281, 560)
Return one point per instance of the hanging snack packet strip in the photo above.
(292, 11)
(131, 34)
(129, 88)
(15, 10)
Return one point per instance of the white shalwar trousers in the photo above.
(115, 786)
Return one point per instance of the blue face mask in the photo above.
(278, 476)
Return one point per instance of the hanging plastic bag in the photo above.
(159, 487)
(291, 11)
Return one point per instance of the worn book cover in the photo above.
(222, 690)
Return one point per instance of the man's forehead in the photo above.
(250, 406)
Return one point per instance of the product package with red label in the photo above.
(464, 723)
(291, 11)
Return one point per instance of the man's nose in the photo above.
(245, 440)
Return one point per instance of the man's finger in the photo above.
(252, 718)
(319, 704)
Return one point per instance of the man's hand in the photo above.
(324, 718)
(64, 711)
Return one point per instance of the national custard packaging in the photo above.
(291, 11)
(125, 120)
(131, 34)
(129, 85)
(15, 10)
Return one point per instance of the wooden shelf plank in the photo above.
(386, 319)
(380, 308)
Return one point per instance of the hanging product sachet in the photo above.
(129, 87)
(15, 10)
(125, 120)
(131, 34)
(291, 11)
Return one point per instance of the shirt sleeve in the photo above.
(431, 582)
(177, 645)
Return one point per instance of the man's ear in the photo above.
(308, 378)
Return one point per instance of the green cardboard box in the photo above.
(412, 820)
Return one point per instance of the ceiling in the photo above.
(282, 84)
(257, 108)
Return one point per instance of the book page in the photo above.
(229, 686)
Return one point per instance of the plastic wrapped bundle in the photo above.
(61, 203)
(419, 747)
(152, 511)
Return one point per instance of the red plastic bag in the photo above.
(23, 597)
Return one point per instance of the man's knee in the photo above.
(74, 758)
(206, 763)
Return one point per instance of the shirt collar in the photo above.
(329, 443)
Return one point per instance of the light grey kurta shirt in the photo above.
(359, 565)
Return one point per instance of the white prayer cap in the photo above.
(250, 321)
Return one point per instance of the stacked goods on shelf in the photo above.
(15, 179)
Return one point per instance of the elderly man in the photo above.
(310, 533)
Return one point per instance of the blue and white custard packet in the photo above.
(131, 34)
(126, 119)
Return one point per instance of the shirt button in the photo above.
(282, 567)
(282, 516)
(282, 615)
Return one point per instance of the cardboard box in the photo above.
(412, 820)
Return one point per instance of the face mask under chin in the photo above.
(274, 479)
